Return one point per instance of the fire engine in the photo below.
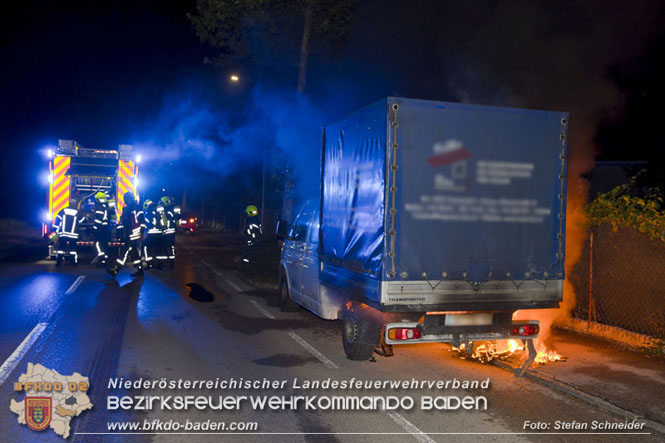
(77, 173)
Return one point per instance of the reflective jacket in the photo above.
(168, 221)
(133, 222)
(152, 220)
(66, 223)
(101, 216)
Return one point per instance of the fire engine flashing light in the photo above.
(138, 159)
(50, 153)
(47, 216)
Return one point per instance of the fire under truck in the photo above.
(76, 174)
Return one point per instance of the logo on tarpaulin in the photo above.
(452, 155)
(38, 412)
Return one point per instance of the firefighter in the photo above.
(66, 228)
(169, 228)
(162, 222)
(254, 230)
(101, 227)
(133, 226)
(153, 241)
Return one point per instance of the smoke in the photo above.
(213, 152)
(548, 56)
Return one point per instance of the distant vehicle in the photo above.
(77, 173)
(436, 222)
(188, 224)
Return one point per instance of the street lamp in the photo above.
(234, 78)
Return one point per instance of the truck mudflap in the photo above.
(461, 295)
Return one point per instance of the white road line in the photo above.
(14, 359)
(301, 341)
(210, 266)
(229, 282)
(75, 285)
(409, 427)
(233, 285)
(261, 309)
(325, 360)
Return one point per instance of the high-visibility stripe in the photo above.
(64, 196)
(61, 165)
(60, 173)
(125, 175)
(61, 204)
(61, 160)
(125, 171)
(60, 190)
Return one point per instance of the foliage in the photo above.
(630, 205)
(234, 26)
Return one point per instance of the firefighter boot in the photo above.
(113, 270)
(138, 272)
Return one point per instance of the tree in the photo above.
(229, 25)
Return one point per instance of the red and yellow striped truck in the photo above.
(77, 173)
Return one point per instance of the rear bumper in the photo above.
(460, 295)
(458, 335)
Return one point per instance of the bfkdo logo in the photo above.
(51, 399)
(38, 412)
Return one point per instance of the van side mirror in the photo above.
(282, 230)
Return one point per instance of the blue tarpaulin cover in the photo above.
(478, 191)
(353, 190)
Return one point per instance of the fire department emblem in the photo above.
(38, 412)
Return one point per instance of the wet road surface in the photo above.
(201, 322)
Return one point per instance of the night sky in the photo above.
(105, 73)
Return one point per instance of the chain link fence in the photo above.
(620, 281)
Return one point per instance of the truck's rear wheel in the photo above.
(288, 304)
(354, 330)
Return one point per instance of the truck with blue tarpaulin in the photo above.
(436, 222)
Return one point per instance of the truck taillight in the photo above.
(524, 330)
(404, 333)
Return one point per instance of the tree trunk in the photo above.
(304, 48)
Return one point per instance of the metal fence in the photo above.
(620, 281)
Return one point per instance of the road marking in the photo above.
(229, 282)
(261, 309)
(14, 359)
(233, 285)
(325, 360)
(301, 341)
(210, 266)
(75, 285)
(409, 427)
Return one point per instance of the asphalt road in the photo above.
(150, 328)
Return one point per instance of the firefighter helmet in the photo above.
(167, 201)
(251, 211)
(101, 197)
(147, 204)
(128, 198)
